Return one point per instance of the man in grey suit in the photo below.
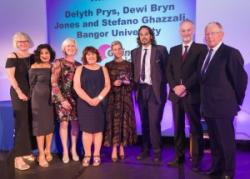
(149, 64)
(223, 83)
(185, 94)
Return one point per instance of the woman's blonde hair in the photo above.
(21, 35)
(116, 42)
(66, 42)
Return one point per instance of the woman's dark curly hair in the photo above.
(151, 32)
(37, 52)
(92, 50)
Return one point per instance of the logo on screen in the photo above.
(103, 50)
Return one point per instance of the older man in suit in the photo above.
(223, 83)
(185, 94)
(149, 62)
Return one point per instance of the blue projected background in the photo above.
(98, 23)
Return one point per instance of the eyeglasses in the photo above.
(212, 33)
(23, 41)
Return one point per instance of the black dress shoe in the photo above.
(196, 167)
(157, 158)
(211, 171)
(227, 177)
(176, 163)
(142, 156)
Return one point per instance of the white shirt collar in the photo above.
(188, 44)
(148, 47)
(216, 47)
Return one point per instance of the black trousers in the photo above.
(192, 111)
(151, 115)
(22, 133)
(222, 143)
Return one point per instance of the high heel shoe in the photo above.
(21, 165)
(86, 161)
(121, 157)
(114, 159)
(96, 161)
(65, 159)
(121, 153)
(30, 158)
(75, 157)
(48, 156)
(42, 161)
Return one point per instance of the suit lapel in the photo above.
(152, 59)
(179, 54)
(138, 63)
(214, 60)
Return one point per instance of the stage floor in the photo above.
(130, 168)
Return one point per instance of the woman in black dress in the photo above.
(91, 83)
(17, 66)
(42, 108)
(120, 118)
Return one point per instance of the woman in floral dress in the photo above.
(64, 97)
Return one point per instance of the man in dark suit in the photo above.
(223, 83)
(185, 94)
(149, 63)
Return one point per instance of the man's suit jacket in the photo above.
(158, 61)
(185, 72)
(224, 83)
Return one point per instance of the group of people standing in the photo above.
(77, 93)
(205, 80)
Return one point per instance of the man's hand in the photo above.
(180, 90)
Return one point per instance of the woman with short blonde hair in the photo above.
(120, 125)
(21, 35)
(63, 96)
(17, 66)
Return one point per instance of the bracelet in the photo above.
(100, 97)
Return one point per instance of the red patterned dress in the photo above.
(62, 88)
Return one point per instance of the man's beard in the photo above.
(145, 42)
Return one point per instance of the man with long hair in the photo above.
(149, 63)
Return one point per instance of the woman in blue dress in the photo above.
(92, 84)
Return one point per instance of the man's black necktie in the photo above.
(143, 65)
(206, 63)
(185, 52)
